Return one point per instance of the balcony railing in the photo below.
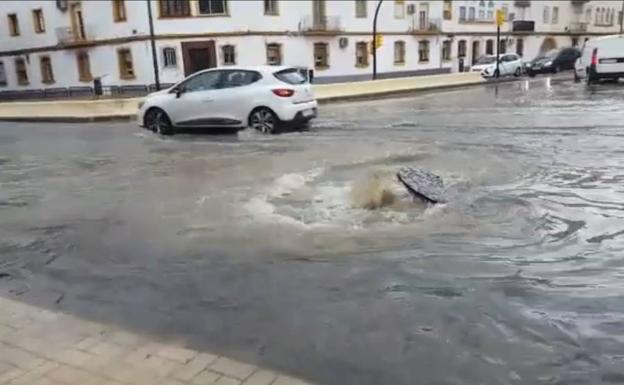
(577, 27)
(523, 26)
(67, 36)
(522, 3)
(325, 24)
(425, 26)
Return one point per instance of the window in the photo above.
(481, 14)
(555, 15)
(321, 55)
(461, 48)
(228, 53)
(360, 8)
(212, 7)
(520, 46)
(448, 10)
(462, 13)
(291, 76)
(399, 9)
(170, 59)
(119, 10)
(446, 50)
(270, 7)
(546, 15)
(423, 51)
(38, 20)
(274, 54)
(13, 25)
(490, 14)
(471, 13)
(84, 67)
(174, 8)
(238, 78)
(20, 71)
(597, 16)
(361, 54)
(399, 52)
(203, 81)
(489, 47)
(124, 59)
(47, 76)
(3, 78)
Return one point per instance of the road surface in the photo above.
(300, 252)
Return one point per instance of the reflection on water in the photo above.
(301, 252)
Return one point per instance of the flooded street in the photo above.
(300, 252)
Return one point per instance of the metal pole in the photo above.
(375, 40)
(153, 43)
(497, 49)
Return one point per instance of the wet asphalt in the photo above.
(281, 250)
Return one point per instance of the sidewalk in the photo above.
(111, 109)
(41, 347)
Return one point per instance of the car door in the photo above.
(194, 103)
(236, 96)
(506, 65)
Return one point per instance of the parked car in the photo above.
(483, 62)
(509, 64)
(553, 61)
(260, 97)
(601, 58)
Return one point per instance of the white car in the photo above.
(601, 58)
(237, 97)
(483, 62)
(509, 64)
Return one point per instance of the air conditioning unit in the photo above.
(411, 9)
(343, 42)
(61, 5)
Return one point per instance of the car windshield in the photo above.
(486, 60)
(290, 76)
(550, 54)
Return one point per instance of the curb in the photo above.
(321, 101)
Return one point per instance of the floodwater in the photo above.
(301, 253)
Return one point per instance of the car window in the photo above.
(508, 58)
(238, 78)
(290, 76)
(202, 82)
(486, 60)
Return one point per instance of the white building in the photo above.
(48, 46)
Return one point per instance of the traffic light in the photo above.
(378, 41)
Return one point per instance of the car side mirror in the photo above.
(179, 91)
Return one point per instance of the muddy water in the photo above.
(301, 252)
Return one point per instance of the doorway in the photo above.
(198, 55)
(475, 51)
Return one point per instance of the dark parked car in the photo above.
(553, 61)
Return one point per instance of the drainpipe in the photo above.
(375, 40)
(153, 43)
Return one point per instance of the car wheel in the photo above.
(158, 121)
(518, 72)
(263, 120)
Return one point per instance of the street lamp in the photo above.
(375, 40)
(153, 43)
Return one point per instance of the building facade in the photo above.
(47, 46)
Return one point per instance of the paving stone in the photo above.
(10, 375)
(232, 368)
(71, 357)
(260, 377)
(286, 380)
(86, 343)
(36, 374)
(123, 339)
(205, 377)
(129, 374)
(20, 358)
(227, 381)
(68, 375)
(177, 354)
(193, 367)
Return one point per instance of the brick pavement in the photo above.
(42, 347)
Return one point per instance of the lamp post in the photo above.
(375, 40)
(153, 43)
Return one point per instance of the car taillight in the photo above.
(594, 58)
(283, 92)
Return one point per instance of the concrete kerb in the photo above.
(125, 109)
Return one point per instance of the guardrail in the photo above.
(85, 92)
(424, 26)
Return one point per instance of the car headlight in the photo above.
(528, 65)
(548, 63)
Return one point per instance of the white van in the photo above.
(601, 58)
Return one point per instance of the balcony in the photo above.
(326, 25)
(577, 27)
(425, 26)
(522, 3)
(476, 21)
(523, 26)
(580, 3)
(68, 37)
